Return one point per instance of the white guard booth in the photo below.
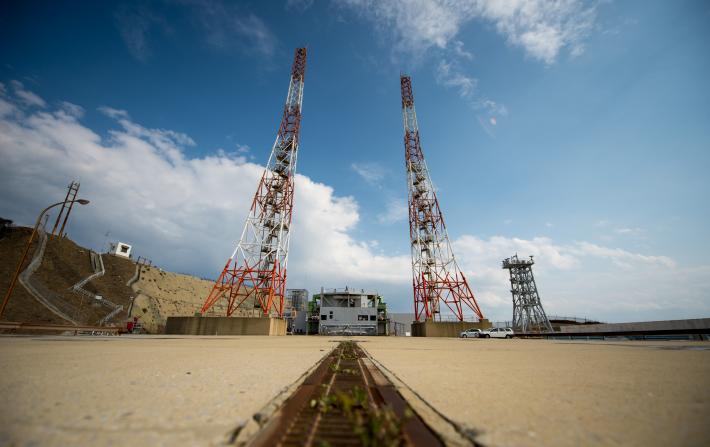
(121, 249)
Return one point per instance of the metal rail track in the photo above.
(346, 401)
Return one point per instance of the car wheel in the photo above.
(487, 336)
(464, 336)
(508, 336)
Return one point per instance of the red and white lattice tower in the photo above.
(436, 278)
(257, 267)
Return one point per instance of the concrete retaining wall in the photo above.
(667, 325)
(225, 326)
(445, 328)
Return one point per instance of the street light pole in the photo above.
(27, 249)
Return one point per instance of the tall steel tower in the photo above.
(528, 314)
(257, 267)
(436, 277)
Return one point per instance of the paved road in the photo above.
(142, 390)
(538, 392)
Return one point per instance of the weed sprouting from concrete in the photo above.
(374, 425)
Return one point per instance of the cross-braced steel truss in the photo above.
(257, 267)
(528, 314)
(436, 277)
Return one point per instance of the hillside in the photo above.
(21, 307)
(64, 264)
(158, 294)
(161, 294)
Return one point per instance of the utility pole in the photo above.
(257, 267)
(72, 191)
(436, 277)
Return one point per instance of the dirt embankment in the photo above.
(161, 294)
(158, 294)
(21, 307)
(64, 264)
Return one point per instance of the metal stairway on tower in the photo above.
(528, 314)
(257, 267)
(436, 277)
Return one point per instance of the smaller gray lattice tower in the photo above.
(528, 314)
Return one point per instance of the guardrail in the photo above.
(13, 325)
(639, 335)
(49, 299)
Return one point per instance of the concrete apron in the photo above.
(225, 326)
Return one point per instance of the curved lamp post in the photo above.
(27, 249)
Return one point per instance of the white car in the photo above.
(497, 333)
(470, 333)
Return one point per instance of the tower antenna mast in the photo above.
(436, 277)
(257, 267)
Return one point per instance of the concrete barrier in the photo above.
(225, 326)
(445, 328)
(665, 325)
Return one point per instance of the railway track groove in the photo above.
(346, 401)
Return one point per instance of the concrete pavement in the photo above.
(539, 392)
(142, 390)
(181, 390)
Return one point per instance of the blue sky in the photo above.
(574, 131)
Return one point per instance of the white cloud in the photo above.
(396, 211)
(299, 5)
(417, 25)
(72, 109)
(186, 215)
(585, 279)
(460, 51)
(491, 107)
(372, 173)
(542, 28)
(136, 23)
(113, 113)
(224, 25)
(6, 107)
(449, 74)
(636, 231)
(25, 96)
(450, 77)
